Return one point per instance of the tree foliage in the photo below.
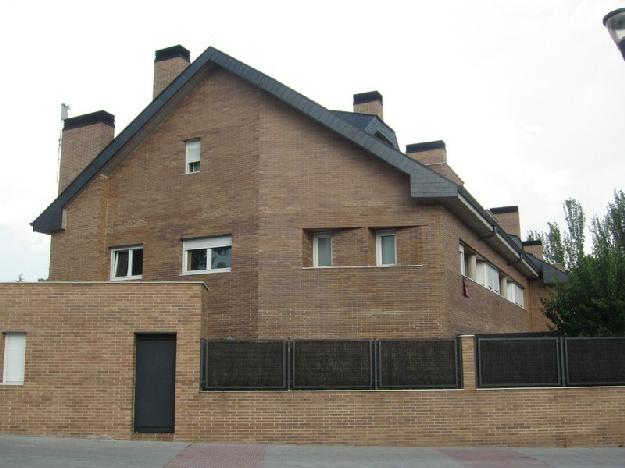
(592, 302)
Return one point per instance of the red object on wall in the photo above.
(465, 287)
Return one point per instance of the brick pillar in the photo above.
(469, 376)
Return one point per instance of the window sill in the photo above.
(206, 272)
(344, 267)
(128, 278)
(191, 173)
(11, 384)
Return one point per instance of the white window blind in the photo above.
(193, 155)
(492, 278)
(14, 357)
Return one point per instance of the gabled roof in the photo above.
(425, 184)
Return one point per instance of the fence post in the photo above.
(467, 348)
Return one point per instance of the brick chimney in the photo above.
(168, 64)
(434, 155)
(535, 247)
(369, 103)
(508, 218)
(82, 140)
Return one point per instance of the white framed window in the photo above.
(127, 263)
(488, 276)
(386, 248)
(192, 150)
(207, 255)
(514, 294)
(14, 358)
(463, 270)
(322, 249)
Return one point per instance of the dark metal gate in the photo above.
(154, 382)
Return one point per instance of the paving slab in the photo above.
(36, 452)
(49, 452)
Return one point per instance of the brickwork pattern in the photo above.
(166, 71)
(79, 368)
(270, 177)
(79, 146)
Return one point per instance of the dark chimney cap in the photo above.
(532, 242)
(371, 96)
(89, 119)
(172, 52)
(504, 209)
(611, 14)
(425, 146)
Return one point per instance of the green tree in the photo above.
(574, 235)
(553, 249)
(592, 301)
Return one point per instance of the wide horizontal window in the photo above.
(207, 255)
(127, 263)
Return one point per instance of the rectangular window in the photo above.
(192, 156)
(14, 358)
(322, 249)
(487, 276)
(127, 263)
(493, 278)
(207, 255)
(515, 294)
(463, 270)
(386, 247)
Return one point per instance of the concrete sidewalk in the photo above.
(46, 452)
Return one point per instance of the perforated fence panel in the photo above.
(332, 365)
(595, 361)
(519, 362)
(244, 365)
(418, 364)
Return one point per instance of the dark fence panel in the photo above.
(595, 361)
(418, 364)
(518, 361)
(332, 365)
(244, 365)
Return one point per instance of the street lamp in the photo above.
(615, 22)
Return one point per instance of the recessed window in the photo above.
(207, 255)
(322, 249)
(14, 358)
(127, 263)
(192, 156)
(488, 276)
(514, 293)
(386, 246)
(463, 269)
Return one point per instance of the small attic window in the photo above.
(192, 156)
(379, 136)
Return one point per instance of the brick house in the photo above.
(317, 223)
(233, 207)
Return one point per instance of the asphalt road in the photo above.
(36, 452)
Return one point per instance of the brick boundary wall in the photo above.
(80, 367)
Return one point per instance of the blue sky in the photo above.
(527, 94)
